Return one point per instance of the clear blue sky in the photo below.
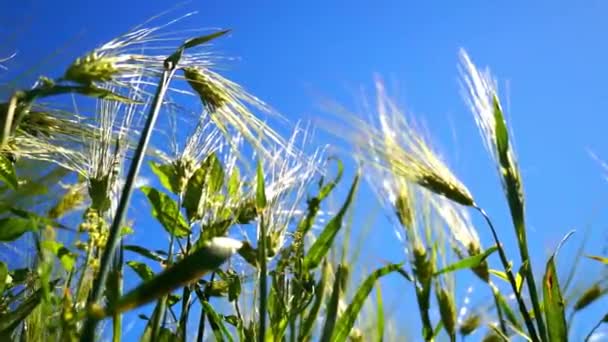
(550, 58)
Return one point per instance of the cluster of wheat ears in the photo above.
(249, 232)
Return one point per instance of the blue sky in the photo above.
(549, 57)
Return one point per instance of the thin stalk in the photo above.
(201, 326)
(511, 278)
(183, 320)
(588, 337)
(529, 275)
(161, 318)
(87, 262)
(292, 330)
(117, 317)
(127, 191)
(427, 327)
(263, 280)
(501, 319)
(8, 119)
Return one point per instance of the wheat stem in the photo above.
(511, 278)
(529, 274)
(114, 236)
(603, 320)
(263, 279)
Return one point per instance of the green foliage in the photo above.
(11, 228)
(285, 284)
(166, 175)
(166, 211)
(7, 173)
(189, 269)
(347, 319)
(325, 240)
(143, 271)
(554, 305)
(331, 317)
(468, 263)
(204, 185)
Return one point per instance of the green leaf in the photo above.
(143, 271)
(66, 258)
(325, 240)
(502, 134)
(380, 313)
(347, 320)
(506, 308)
(114, 283)
(165, 210)
(260, 193)
(11, 320)
(166, 335)
(158, 256)
(99, 192)
(234, 288)
(249, 253)
(554, 304)
(125, 230)
(192, 42)
(469, 262)
(3, 277)
(20, 275)
(11, 228)
(203, 185)
(519, 277)
(194, 193)
(329, 187)
(166, 175)
(187, 270)
(234, 183)
(7, 172)
(316, 306)
(147, 334)
(216, 322)
(603, 260)
(331, 314)
(314, 203)
(37, 219)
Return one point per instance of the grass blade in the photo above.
(166, 175)
(165, 210)
(11, 228)
(306, 223)
(603, 260)
(152, 255)
(316, 306)
(260, 193)
(3, 276)
(217, 325)
(554, 304)
(380, 313)
(189, 269)
(143, 271)
(553, 301)
(325, 240)
(207, 180)
(7, 172)
(467, 263)
(11, 320)
(331, 314)
(347, 320)
(192, 42)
